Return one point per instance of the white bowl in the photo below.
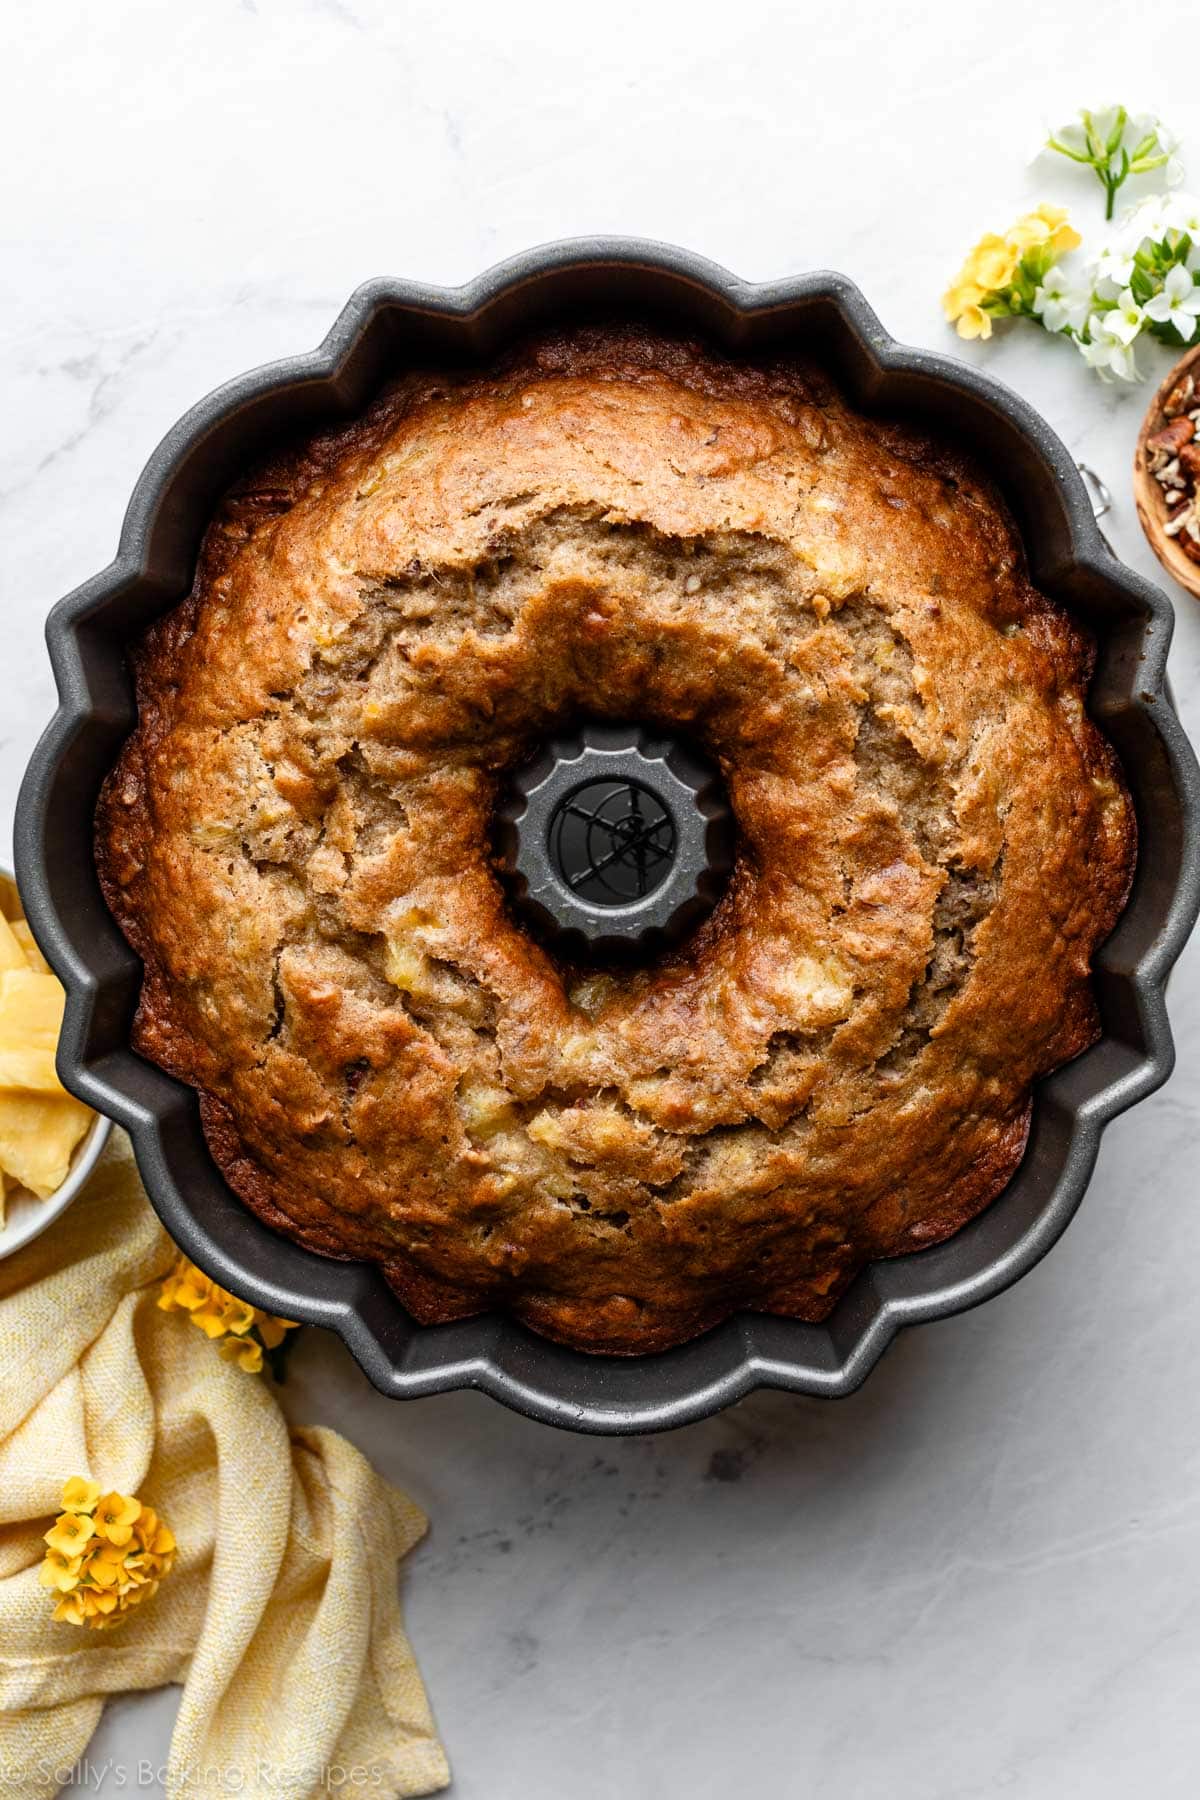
(25, 1216)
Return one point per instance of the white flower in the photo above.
(1178, 304)
(1182, 212)
(1097, 351)
(1125, 320)
(1106, 354)
(1123, 364)
(1150, 218)
(1166, 144)
(1174, 170)
(1115, 263)
(1113, 267)
(1058, 305)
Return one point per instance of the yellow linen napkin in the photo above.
(281, 1616)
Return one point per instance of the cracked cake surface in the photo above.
(932, 839)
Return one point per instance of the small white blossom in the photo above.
(1115, 264)
(1149, 220)
(1182, 213)
(1125, 320)
(1059, 305)
(1167, 144)
(1152, 145)
(1138, 226)
(1106, 354)
(1178, 304)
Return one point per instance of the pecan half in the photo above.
(1180, 397)
(1172, 437)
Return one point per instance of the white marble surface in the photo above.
(981, 1576)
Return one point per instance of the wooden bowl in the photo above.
(1148, 495)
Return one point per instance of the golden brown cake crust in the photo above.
(837, 1066)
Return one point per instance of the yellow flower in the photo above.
(992, 263)
(961, 304)
(59, 1571)
(219, 1314)
(1044, 225)
(187, 1288)
(1026, 233)
(239, 1317)
(959, 297)
(973, 322)
(153, 1535)
(99, 1575)
(208, 1318)
(115, 1517)
(246, 1354)
(147, 1527)
(79, 1494)
(93, 1604)
(105, 1568)
(272, 1331)
(223, 1314)
(70, 1534)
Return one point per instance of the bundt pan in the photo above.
(387, 325)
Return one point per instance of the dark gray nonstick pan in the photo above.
(386, 326)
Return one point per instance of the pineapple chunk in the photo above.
(485, 1110)
(545, 1127)
(646, 1093)
(413, 963)
(405, 967)
(606, 1132)
(38, 1133)
(587, 1131)
(11, 954)
(406, 963)
(31, 1011)
(814, 992)
(28, 943)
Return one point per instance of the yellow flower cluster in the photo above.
(106, 1554)
(991, 281)
(245, 1331)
